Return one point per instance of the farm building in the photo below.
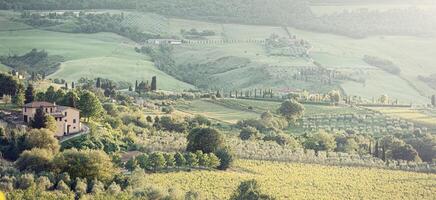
(67, 118)
(164, 41)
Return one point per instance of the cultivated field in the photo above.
(419, 116)
(88, 55)
(303, 181)
(215, 111)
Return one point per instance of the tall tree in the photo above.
(89, 105)
(19, 98)
(153, 83)
(98, 83)
(29, 96)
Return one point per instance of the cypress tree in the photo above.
(29, 95)
(72, 85)
(98, 83)
(153, 83)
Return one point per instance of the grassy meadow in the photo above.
(106, 53)
(88, 55)
(232, 110)
(302, 181)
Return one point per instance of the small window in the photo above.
(25, 109)
(65, 114)
(51, 110)
(46, 110)
(74, 121)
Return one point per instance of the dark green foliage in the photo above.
(207, 140)
(9, 85)
(291, 110)
(180, 159)
(153, 83)
(405, 152)
(131, 164)
(12, 144)
(169, 124)
(191, 159)
(249, 190)
(29, 96)
(248, 133)
(39, 120)
(34, 61)
(226, 157)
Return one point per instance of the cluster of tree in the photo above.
(87, 23)
(383, 64)
(144, 87)
(35, 61)
(86, 101)
(195, 34)
(163, 161)
(11, 89)
(14, 142)
(415, 146)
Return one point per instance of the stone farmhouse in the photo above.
(67, 118)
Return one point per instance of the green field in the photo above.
(302, 181)
(106, 53)
(233, 110)
(88, 55)
(337, 52)
(215, 111)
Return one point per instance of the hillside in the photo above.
(87, 55)
(242, 63)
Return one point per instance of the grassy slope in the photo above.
(303, 181)
(233, 110)
(413, 55)
(216, 112)
(89, 55)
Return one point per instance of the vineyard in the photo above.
(302, 181)
(147, 22)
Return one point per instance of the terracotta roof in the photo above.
(37, 104)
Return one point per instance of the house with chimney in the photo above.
(67, 118)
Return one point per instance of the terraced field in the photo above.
(302, 181)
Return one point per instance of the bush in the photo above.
(207, 140)
(226, 158)
(249, 190)
(35, 160)
(248, 133)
